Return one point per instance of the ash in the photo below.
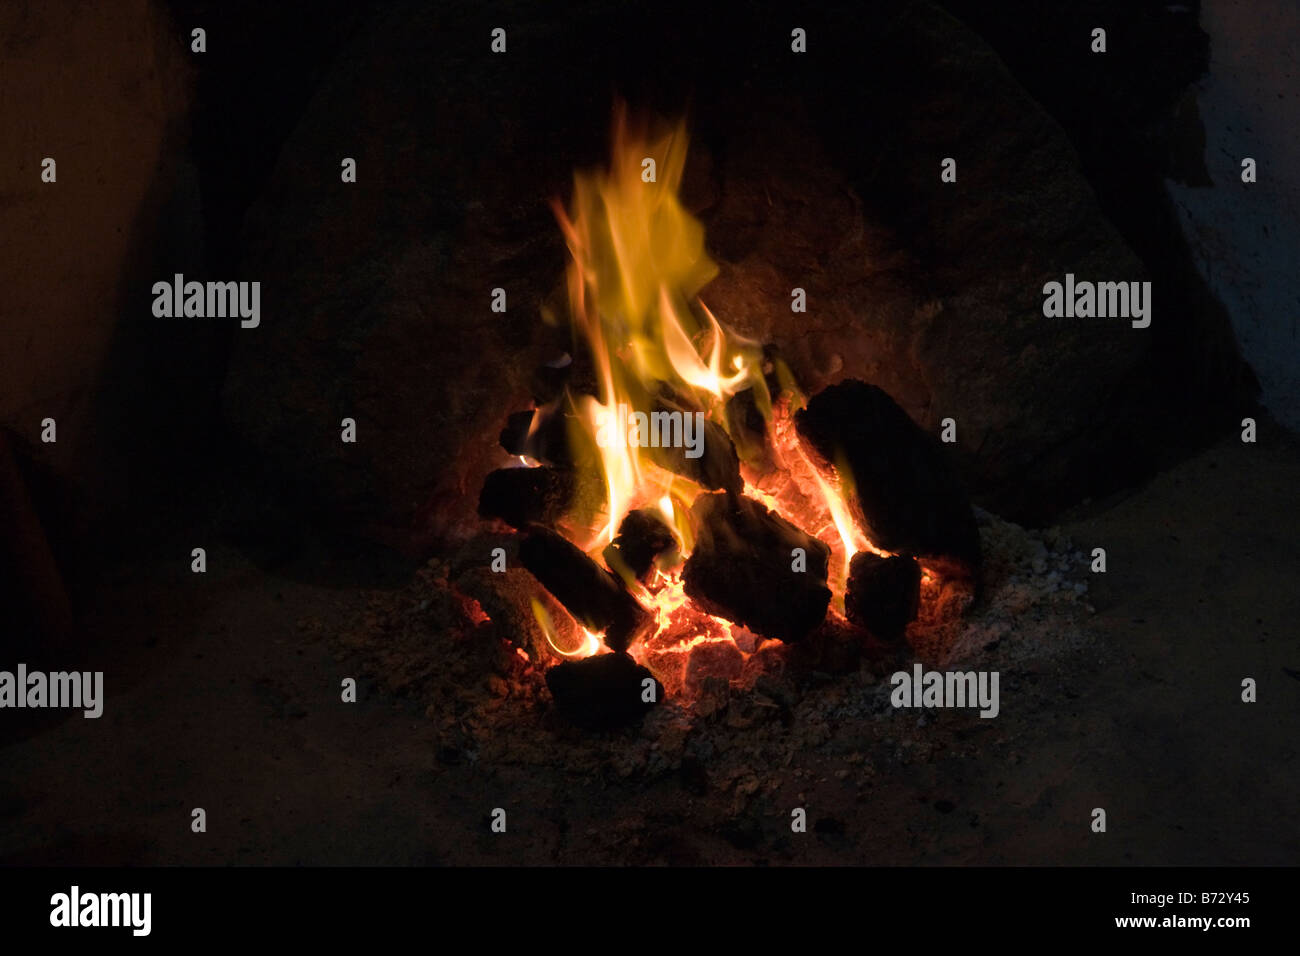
(434, 645)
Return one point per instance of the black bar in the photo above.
(443, 906)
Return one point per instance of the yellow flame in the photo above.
(688, 364)
(637, 265)
(852, 539)
(619, 460)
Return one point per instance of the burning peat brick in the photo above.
(906, 492)
(602, 692)
(506, 599)
(542, 435)
(742, 568)
(717, 468)
(884, 594)
(747, 424)
(524, 496)
(642, 537)
(514, 437)
(590, 593)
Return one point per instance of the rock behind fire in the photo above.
(743, 568)
(938, 301)
(906, 492)
(602, 692)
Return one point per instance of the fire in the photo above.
(688, 364)
(638, 264)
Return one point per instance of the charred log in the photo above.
(884, 594)
(550, 379)
(594, 596)
(906, 492)
(743, 568)
(602, 692)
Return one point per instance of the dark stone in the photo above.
(601, 692)
(589, 592)
(641, 538)
(740, 568)
(884, 593)
(523, 496)
(1136, 124)
(906, 492)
